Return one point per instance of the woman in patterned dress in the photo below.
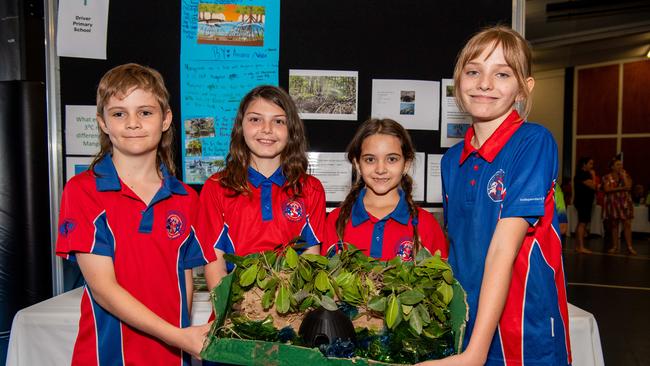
(618, 204)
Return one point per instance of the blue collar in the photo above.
(256, 178)
(400, 214)
(106, 178)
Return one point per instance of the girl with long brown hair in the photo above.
(264, 197)
(379, 215)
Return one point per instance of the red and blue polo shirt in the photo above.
(262, 220)
(512, 175)
(151, 246)
(388, 237)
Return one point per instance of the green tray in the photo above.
(254, 353)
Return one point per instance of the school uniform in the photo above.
(150, 245)
(385, 238)
(512, 175)
(268, 217)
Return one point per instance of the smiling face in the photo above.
(382, 164)
(265, 132)
(134, 123)
(488, 86)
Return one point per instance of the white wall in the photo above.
(548, 105)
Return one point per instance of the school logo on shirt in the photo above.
(405, 250)
(66, 227)
(293, 210)
(496, 189)
(175, 224)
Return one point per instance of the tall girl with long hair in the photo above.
(498, 197)
(263, 197)
(378, 215)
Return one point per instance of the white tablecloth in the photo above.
(596, 224)
(44, 333)
(640, 222)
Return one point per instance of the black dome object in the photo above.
(322, 326)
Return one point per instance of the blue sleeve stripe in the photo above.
(108, 331)
(103, 238)
(308, 235)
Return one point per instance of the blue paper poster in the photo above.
(228, 47)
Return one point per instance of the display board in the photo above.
(374, 40)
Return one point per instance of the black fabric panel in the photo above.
(382, 39)
(25, 262)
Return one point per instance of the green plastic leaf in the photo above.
(416, 322)
(248, 276)
(261, 275)
(328, 303)
(282, 300)
(377, 303)
(446, 291)
(322, 281)
(411, 297)
(448, 276)
(315, 258)
(305, 271)
(406, 309)
(422, 254)
(393, 312)
(291, 258)
(343, 279)
(424, 314)
(267, 299)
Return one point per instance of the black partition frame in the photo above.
(381, 39)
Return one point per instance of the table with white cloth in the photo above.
(595, 226)
(640, 222)
(44, 333)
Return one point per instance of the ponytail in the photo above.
(407, 187)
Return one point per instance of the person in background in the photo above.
(618, 205)
(638, 195)
(584, 190)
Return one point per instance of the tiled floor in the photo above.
(616, 289)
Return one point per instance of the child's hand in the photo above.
(192, 339)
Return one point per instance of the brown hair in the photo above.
(118, 82)
(368, 128)
(516, 51)
(293, 158)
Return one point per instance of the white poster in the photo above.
(334, 171)
(413, 103)
(434, 179)
(417, 172)
(81, 131)
(81, 28)
(454, 122)
(325, 94)
(76, 165)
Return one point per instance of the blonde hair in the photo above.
(119, 81)
(516, 52)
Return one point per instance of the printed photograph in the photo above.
(407, 108)
(199, 127)
(456, 130)
(330, 95)
(407, 96)
(193, 147)
(230, 24)
(449, 91)
(199, 169)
